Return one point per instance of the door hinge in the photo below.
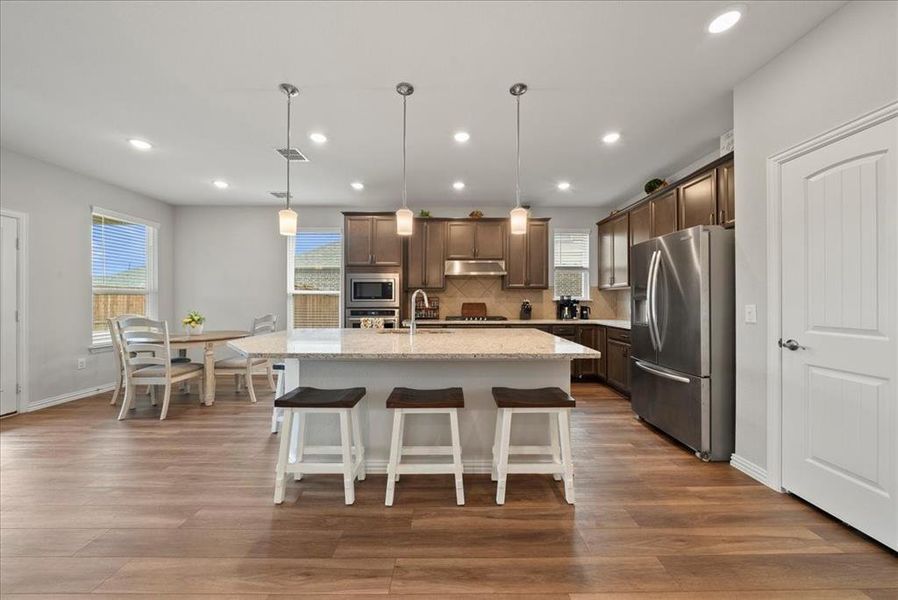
(17, 243)
(18, 388)
(17, 315)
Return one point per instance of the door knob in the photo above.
(791, 344)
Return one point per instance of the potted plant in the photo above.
(193, 322)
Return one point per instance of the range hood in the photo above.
(475, 268)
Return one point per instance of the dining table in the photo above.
(207, 340)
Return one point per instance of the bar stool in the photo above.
(554, 402)
(298, 405)
(406, 401)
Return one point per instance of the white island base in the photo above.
(477, 421)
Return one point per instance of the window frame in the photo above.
(583, 270)
(292, 292)
(104, 342)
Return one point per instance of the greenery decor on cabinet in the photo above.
(654, 184)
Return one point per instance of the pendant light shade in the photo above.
(287, 221)
(405, 218)
(287, 217)
(518, 216)
(518, 220)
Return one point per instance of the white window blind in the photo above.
(123, 278)
(571, 277)
(317, 263)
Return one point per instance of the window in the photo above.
(572, 264)
(316, 263)
(123, 274)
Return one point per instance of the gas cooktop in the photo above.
(483, 318)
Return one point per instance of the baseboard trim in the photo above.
(750, 469)
(69, 397)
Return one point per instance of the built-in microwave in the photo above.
(372, 290)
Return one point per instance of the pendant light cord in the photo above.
(289, 99)
(404, 194)
(517, 190)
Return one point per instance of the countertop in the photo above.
(435, 344)
(616, 323)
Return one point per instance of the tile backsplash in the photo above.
(507, 303)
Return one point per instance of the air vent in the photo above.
(280, 195)
(292, 154)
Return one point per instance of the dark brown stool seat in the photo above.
(550, 397)
(410, 398)
(309, 397)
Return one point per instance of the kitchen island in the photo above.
(379, 360)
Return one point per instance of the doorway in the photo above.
(834, 322)
(12, 364)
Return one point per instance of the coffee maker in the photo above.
(568, 308)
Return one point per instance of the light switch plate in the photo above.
(751, 313)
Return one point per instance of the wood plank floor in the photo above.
(181, 509)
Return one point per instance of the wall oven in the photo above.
(372, 290)
(355, 316)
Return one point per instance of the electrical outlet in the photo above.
(751, 313)
(81, 363)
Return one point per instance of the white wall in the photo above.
(844, 68)
(58, 203)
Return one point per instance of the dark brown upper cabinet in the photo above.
(527, 257)
(371, 240)
(472, 239)
(427, 255)
(654, 218)
(614, 249)
(726, 194)
(698, 200)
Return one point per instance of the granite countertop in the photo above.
(435, 344)
(616, 323)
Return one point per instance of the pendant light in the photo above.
(405, 219)
(518, 216)
(287, 217)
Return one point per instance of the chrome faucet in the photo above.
(413, 327)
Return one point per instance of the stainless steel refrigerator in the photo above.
(683, 337)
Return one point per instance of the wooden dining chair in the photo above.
(244, 368)
(146, 354)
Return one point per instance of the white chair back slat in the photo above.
(145, 342)
(264, 324)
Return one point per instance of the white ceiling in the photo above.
(199, 80)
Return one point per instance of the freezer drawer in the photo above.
(676, 403)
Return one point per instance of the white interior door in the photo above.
(839, 304)
(9, 330)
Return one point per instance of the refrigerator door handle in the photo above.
(652, 298)
(661, 373)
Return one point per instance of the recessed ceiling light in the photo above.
(462, 136)
(318, 138)
(611, 137)
(564, 185)
(725, 21)
(357, 186)
(220, 184)
(140, 144)
(459, 185)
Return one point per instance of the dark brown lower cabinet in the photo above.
(591, 336)
(617, 359)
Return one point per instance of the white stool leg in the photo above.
(494, 472)
(553, 442)
(275, 412)
(346, 445)
(283, 450)
(395, 448)
(401, 441)
(358, 444)
(298, 437)
(456, 458)
(565, 426)
(504, 442)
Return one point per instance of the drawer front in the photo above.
(565, 331)
(620, 335)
